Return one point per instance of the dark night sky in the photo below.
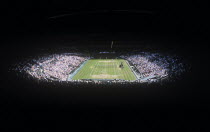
(22, 14)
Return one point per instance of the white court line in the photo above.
(125, 72)
(105, 68)
(136, 76)
(94, 68)
(117, 69)
(114, 67)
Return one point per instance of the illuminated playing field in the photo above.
(105, 69)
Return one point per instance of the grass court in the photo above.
(105, 69)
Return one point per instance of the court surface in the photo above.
(105, 69)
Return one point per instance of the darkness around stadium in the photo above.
(33, 27)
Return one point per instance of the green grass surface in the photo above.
(105, 69)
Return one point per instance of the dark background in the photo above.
(28, 26)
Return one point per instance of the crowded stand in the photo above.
(145, 67)
(55, 67)
(155, 66)
(148, 67)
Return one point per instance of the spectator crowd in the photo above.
(148, 67)
(155, 66)
(55, 67)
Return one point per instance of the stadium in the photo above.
(113, 65)
(104, 66)
(91, 54)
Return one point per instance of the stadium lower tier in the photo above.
(68, 67)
